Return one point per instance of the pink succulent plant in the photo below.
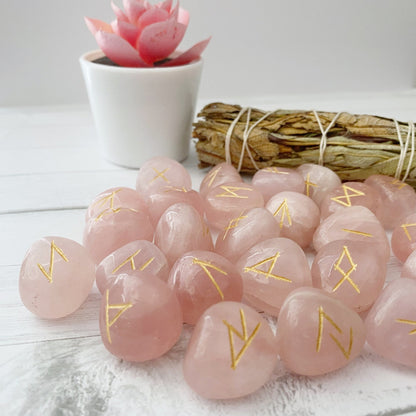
(145, 35)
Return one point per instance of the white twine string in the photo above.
(404, 148)
(411, 133)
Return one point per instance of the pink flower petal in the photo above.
(127, 31)
(183, 16)
(165, 5)
(134, 9)
(190, 55)
(94, 25)
(151, 16)
(118, 50)
(119, 13)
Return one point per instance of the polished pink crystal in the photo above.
(133, 259)
(317, 334)
(391, 323)
(296, 214)
(246, 230)
(56, 277)
(272, 180)
(220, 174)
(397, 199)
(403, 238)
(319, 180)
(201, 279)
(226, 201)
(181, 229)
(232, 352)
(271, 270)
(354, 223)
(140, 318)
(352, 271)
(409, 267)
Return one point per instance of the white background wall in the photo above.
(259, 47)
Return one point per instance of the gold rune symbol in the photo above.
(409, 322)
(357, 232)
(176, 188)
(275, 170)
(121, 309)
(254, 268)
(160, 174)
(132, 262)
(233, 223)
(231, 192)
(109, 199)
(322, 316)
(345, 274)
(49, 274)
(235, 359)
(347, 196)
(308, 184)
(212, 175)
(205, 265)
(283, 210)
(406, 231)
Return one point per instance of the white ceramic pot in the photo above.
(141, 112)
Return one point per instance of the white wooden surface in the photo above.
(50, 168)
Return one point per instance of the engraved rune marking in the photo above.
(233, 223)
(345, 274)
(357, 232)
(132, 262)
(283, 210)
(322, 316)
(409, 322)
(269, 273)
(212, 175)
(109, 199)
(398, 183)
(122, 307)
(205, 265)
(49, 274)
(235, 359)
(347, 196)
(309, 184)
(406, 231)
(176, 188)
(231, 192)
(160, 174)
(275, 170)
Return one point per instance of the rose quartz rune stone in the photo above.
(201, 279)
(140, 318)
(347, 195)
(56, 277)
(319, 180)
(403, 238)
(317, 334)
(354, 223)
(159, 172)
(133, 259)
(232, 352)
(181, 229)
(409, 267)
(391, 323)
(271, 270)
(297, 216)
(220, 174)
(272, 180)
(246, 230)
(226, 201)
(352, 271)
(397, 199)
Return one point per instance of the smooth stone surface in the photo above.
(201, 279)
(140, 318)
(318, 334)
(271, 270)
(354, 223)
(246, 230)
(409, 267)
(133, 259)
(220, 174)
(319, 180)
(391, 323)
(272, 180)
(232, 352)
(181, 229)
(397, 199)
(56, 277)
(352, 271)
(227, 201)
(347, 195)
(297, 216)
(403, 238)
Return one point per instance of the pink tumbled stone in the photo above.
(220, 174)
(403, 238)
(140, 318)
(133, 259)
(56, 277)
(272, 180)
(354, 223)
(391, 323)
(319, 180)
(181, 229)
(271, 270)
(227, 201)
(297, 216)
(409, 267)
(318, 334)
(352, 271)
(201, 279)
(347, 195)
(397, 199)
(232, 352)
(246, 230)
